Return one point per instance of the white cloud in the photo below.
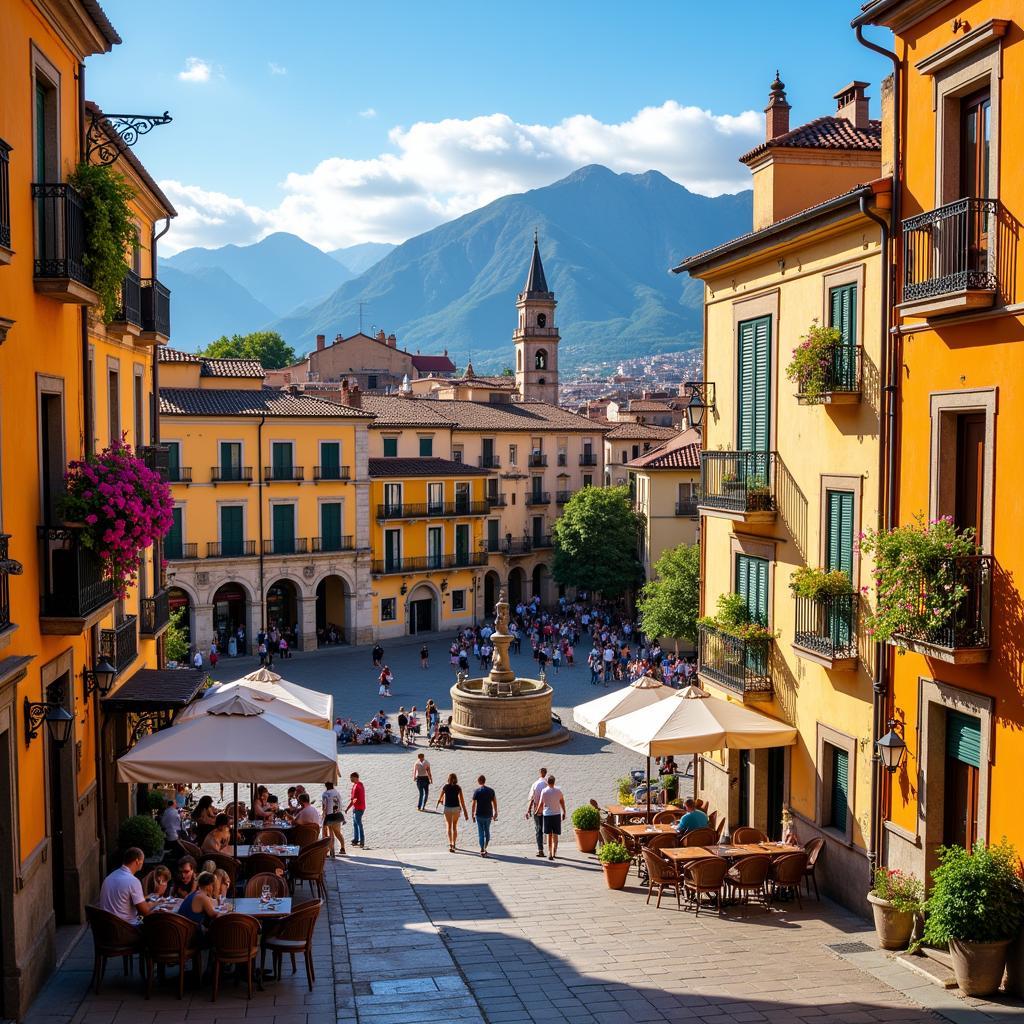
(196, 70)
(435, 171)
(277, 69)
(368, 112)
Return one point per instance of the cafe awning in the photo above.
(320, 705)
(278, 701)
(641, 693)
(152, 689)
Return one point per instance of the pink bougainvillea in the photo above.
(124, 505)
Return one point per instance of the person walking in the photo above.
(403, 724)
(424, 657)
(454, 804)
(357, 805)
(485, 810)
(552, 806)
(422, 774)
(533, 808)
(378, 655)
(330, 804)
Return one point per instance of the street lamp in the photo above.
(891, 748)
(101, 678)
(58, 719)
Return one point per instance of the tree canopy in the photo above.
(266, 346)
(669, 603)
(596, 542)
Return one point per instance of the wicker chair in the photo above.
(229, 864)
(667, 817)
(747, 834)
(786, 875)
(265, 863)
(278, 885)
(661, 875)
(270, 837)
(713, 819)
(309, 867)
(292, 935)
(815, 848)
(234, 939)
(705, 877)
(237, 812)
(749, 876)
(662, 841)
(110, 937)
(699, 837)
(170, 939)
(305, 835)
(719, 829)
(191, 849)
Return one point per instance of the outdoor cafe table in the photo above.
(643, 832)
(251, 905)
(277, 825)
(617, 811)
(284, 852)
(683, 854)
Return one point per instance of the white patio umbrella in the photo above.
(594, 715)
(317, 703)
(277, 700)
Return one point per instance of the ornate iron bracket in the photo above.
(109, 134)
(148, 722)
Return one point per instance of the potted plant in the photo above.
(817, 583)
(586, 821)
(733, 619)
(141, 831)
(976, 906)
(670, 786)
(759, 494)
(155, 801)
(615, 861)
(625, 787)
(810, 362)
(895, 900)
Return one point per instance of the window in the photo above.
(330, 460)
(842, 315)
(839, 532)
(435, 498)
(540, 360)
(330, 526)
(537, 526)
(231, 460)
(114, 406)
(493, 526)
(435, 546)
(837, 767)
(281, 460)
(462, 496)
(753, 393)
(513, 454)
(138, 408)
(388, 609)
(390, 447)
(393, 499)
(173, 459)
(51, 449)
(625, 456)
(283, 528)
(46, 123)
(970, 472)
(392, 550)
(371, 382)
(752, 586)
(231, 530)
(588, 479)
(462, 544)
(457, 453)
(173, 539)
(458, 600)
(975, 144)
(426, 447)
(962, 768)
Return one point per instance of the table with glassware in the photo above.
(285, 852)
(625, 812)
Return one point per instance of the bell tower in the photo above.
(536, 336)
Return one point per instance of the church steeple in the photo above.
(536, 337)
(536, 282)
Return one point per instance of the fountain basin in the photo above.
(511, 716)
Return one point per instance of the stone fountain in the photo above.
(501, 711)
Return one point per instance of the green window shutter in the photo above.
(390, 447)
(843, 316)
(462, 544)
(172, 542)
(330, 526)
(963, 738)
(492, 534)
(392, 548)
(752, 586)
(754, 385)
(426, 447)
(840, 788)
(281, 459)
(839, 540)
(284, 528)
(230, 460)
(330, 459)
(173, 460)
(231, 529)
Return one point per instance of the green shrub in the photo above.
(815, 583)
(733, 618)
(977, 895)
(156, 800)
(176, 639)
(625, 789)
(903, 891)
(586, 818)
(809, 365)
(670, 785)
(141, 831)
(613, 853)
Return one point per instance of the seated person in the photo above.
(185, 877)
(308, 814)
(444, 732)
(274, 805)
(221, 884)
(669, 766)
(387, 737)
(261, 810)
(693, 818)
(205, 813)
(121, 893)
(339, 729)
(219, 838)
(200, 906)
(158, 881)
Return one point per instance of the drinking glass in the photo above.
(265, 893)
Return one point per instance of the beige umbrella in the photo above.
(264, 680)
(277, 700)
(645, 691)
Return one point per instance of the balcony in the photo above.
(738, 485)
(588, 459)
(282, 474)
(156, 458)
(59, 267)
(154, 614)
(231, 549)
(8, 568)
(537, 460)
(562, 497)
(963, 639)
(496, 501)
(687, 508)
(826, 631)
(322, 545)
(432, 510)
(331, 473)
(231, 474)
(179, 475)
(427, 563)
(545, 540)
(950, 259)
(286, 546)
(75, 591)
(6, 252)
(180, 552)
(489, 462)
(127, 322)
(538, 498)
(840, 383)
(742, 666)
(120, 645)
(156, 313)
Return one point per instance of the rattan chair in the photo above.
(111, 937)
(749, 876)
(269, 837)
(237, 812)
(229, 864)
(309, 867)
(713, 819)
(191, 850)
(293, 935)
(661, 874)
(278, 885)
(747, 834)
(661, 841)
(786, 875)
(170, 939)
(667, 817)
(305, 835)
(815, 848)
(699, 837)
(705, 877)
(265, 863)
(234, 939)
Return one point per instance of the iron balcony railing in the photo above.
(179, 552)
(537, 459)
(561, 497)
(156, 307)
(827, 625)
(5, 587)
(740, 665)
(274, 474)
(74, 582)
(430, 509)
(738, 481)
(286, 546)
(841, 374)
(687, 507)
(538, 498)
(544, 540)
(230, 549)
(588, 459)
(154, 613)
(496, 500)
(130, 310)
(950, 249)
(60, 232)
(489, 461)
(157, 457)
(331, 473)
(5, 195)
(428, 563)
(120, 645)
(345, 542)
(179, 474)
(230, 474)
(516, 546)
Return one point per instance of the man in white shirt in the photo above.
(552, 808)
(609, 657)
(170, 822)
(533, 807)
(308, 814)
(330, 804)
(121, 892)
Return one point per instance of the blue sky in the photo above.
(352, 122)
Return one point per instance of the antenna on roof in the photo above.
(362, 306)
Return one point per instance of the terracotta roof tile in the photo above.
(681, 452)
(647, 405)
(824, 133)
(241, 402)
(539, 416)
(175, 355)
(433, 364)
(400, 411)
(422, 467)
(248, 368)
(640, 432)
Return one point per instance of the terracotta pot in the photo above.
(978, 966)
(1015, 966)
(586, 839)
(893, 927)
(615, 874)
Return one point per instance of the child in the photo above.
(158, 881)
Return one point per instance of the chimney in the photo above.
(338, 339)
(852, 103)
(776, 121)
(355, 397)
(320, 339)
(392, 341)
(381, 336)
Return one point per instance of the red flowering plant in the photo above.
(812, 358)
(124, 506)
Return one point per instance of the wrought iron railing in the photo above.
(60, 232)
(230, 549)
(179, 552)
(588, 459)
(280, 473)
(841, 375)
(407, 510)
(427, 563)
(5, 195)
(230, 474)
(130, 310)
(544, 540)
(538, 498)
(120, 645)
(286, 546)
(497, 500)
(687, 507)
(489, 461)
(738, 481)
(561, 497)
(179, 474)
(154, 613)
(740, 665)
(537, 460)
(5, 588)
(74, 581)
(344, 542)
(827, 625)
(331, 472)
(950, 249)
(156, 308)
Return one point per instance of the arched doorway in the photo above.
(516, 585)
(492, 587)
(332, 604)
(540, 582)
(178, 601)
(230, 613)
(283, 610)
(422, 610)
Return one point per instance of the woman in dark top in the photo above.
(451, 794)
(485, 810)
(198, 906)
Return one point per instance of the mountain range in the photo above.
(607, 241)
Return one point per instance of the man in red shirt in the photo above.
(357, 804)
